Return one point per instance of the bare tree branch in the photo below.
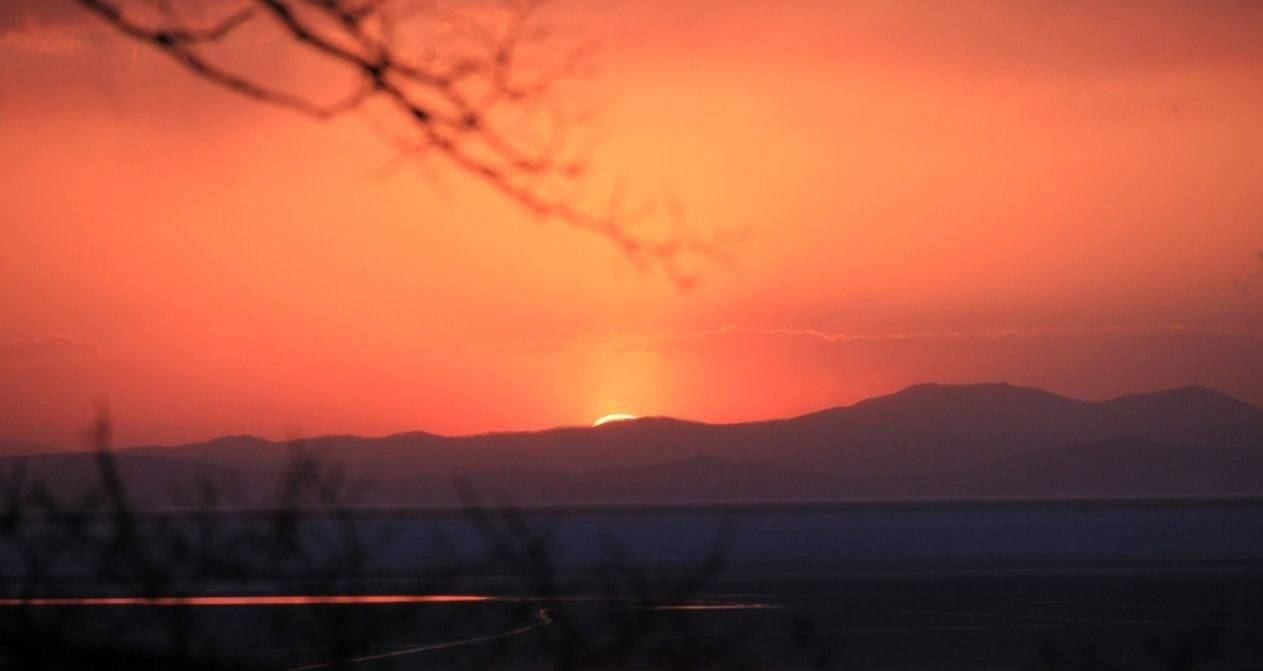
(458, 101)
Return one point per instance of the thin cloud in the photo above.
(45, 349)
(40, 41)
(632, 341)
(984, 334)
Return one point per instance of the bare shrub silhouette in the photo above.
(90, 580)
(93, 578)
(467, 85)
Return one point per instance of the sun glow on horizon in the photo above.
(614, 417)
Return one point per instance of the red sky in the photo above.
(1058, 194)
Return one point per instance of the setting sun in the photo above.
(615, 417)
(937, 317)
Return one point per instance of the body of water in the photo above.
(893, 586)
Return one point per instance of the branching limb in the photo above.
(469, 101)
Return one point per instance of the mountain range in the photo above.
(928, 441)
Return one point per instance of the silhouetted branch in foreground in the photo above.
(468, 87)
(91, 577)
(87, 580)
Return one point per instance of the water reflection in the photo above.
(249, 600)
(345, 599)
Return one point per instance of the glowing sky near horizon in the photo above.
(1057, 194)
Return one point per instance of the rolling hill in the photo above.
(925, 442)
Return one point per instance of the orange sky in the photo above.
(1057, 194)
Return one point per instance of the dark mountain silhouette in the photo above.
(17, 448)
(927, 441)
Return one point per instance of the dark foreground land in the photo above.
(1089, 585)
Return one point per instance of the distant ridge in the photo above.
(15, 448)
(929, 441)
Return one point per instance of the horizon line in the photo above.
(607, 427)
